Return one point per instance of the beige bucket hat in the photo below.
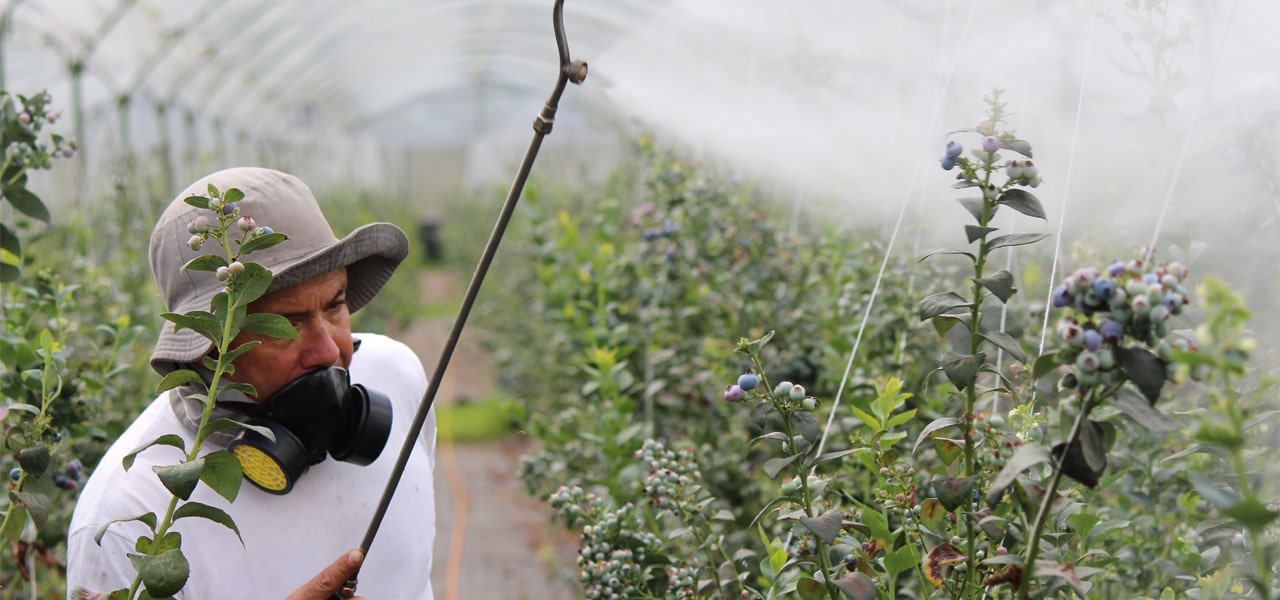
(285, 204)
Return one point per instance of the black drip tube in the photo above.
(570, 70)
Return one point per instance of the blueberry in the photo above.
(1013, 169)
(1103, 287)
(15, 473)
(783, 389)
(267, 230)
(954, 150)
(1150, 278)
(1087, 362)
(228, 208)
(1092, 340)
(948, 163)
(732, 393)
(1116, 269)
(797, 392)
(990, 143)
(195, 242)
(1061, 297)
(748, 381)
(59, 480)
(1111, 331)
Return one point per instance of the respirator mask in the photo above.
(317, 414)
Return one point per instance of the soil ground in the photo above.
(493, 541)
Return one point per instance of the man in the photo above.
(296, 541)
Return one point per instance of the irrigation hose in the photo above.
(570, 70)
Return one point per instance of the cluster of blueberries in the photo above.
(786, 390)
(67, 479)
(201, 227)
(1022, 172)
(669, 474)
(1134, 299)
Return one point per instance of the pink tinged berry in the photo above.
(191, 226)
(202, 224)
(1092, 340)
(1061, 297)
(990, 143)
(68, 152)
(797, 392)
(954, 149)
(236, 267)
(1159, 313)
(1141, 304)
(1111, 331)
(1178, 270)
(732, 393)
(223, 273)
(1087, 361)
(246, 223)
(748, 381)
(195, 242)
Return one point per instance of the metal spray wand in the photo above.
(570, 70)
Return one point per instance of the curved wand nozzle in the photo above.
(570, 70)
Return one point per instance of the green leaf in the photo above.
(9, 241)
(774, 466)
(27, 203)
(36, 497)
(1066, 572)
(204, 511)
(180, 479)
(902, 559)
(9, 273)
(273, 325)
(1024, 202)
(961, 369)
(948, 449)
(1000, 284)
(830, 456)
(251, 284)
(222, 473)
(205, 262)
(954, 492)
(262, 242)
(937, 424)
(169, 439)
(975, 206)
(1019, 146)
(1027, 456)
(34, 460)
(1142, 412)
(177, 378)
(806, 425)
(219, 424)
(148, 519)
(15, 520)
(213, 190)
(232, 195)
(1044, 364)
(826, 526)
(975, 232)
(810, 589)
(1005, 342)
(1144, 369)
(1015, 239)
(197, 201)
(866, 417)
(944, 251)
(1251, 513)
(163, 574)
(856, 586)
(940, 303)
(235, 353)
(202, 323)
(943, 323)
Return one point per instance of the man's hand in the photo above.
(329, 581)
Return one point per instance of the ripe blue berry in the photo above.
(1092, 340)
(1103, 287)
(1116, 269)
(228, 208)
(1061, 297)
(732, 393)
(748, 381)
(264, 230)
(954, 149)
(990, 143)
(948, 163)
(15, 473)
(59, 480)
(1111, 331)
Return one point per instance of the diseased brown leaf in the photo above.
(937, 565)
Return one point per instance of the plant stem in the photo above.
(1238, 465)
(1046, 504)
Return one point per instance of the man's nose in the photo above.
(319, 346)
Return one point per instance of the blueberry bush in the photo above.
(954, 455)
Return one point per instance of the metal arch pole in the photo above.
(575, 71)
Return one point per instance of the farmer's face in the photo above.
(317, 308)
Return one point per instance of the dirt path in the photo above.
(492, 540)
